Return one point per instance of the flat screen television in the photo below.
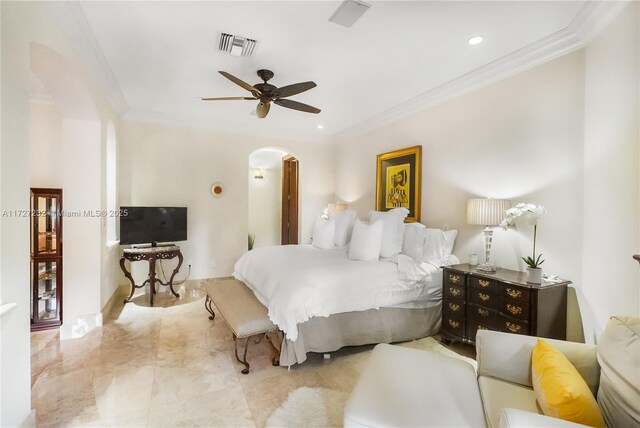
(144, 225)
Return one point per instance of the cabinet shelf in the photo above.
(46, 258)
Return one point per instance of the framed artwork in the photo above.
(398, 178)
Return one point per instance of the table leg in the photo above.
(128, 275)
(175, 271)
(152, 277)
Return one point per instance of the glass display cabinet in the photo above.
(46, 258)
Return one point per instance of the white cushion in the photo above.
(402, 387)
(619, 359)
(344, 226)
(513, 418)
(366, 241)
(498, 394)
(413, 241)
(438, 244)
(324, 234)
(393, 230)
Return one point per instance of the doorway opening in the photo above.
(289, 226)
(269, 206)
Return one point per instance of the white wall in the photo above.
(24, 24)
(265, 197)
(15, 370)
(45, 141)
(611, 172)
(546, 136)
(171, 166)
(518, 139)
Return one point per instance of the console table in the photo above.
(151, 254)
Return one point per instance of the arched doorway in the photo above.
(270, 197)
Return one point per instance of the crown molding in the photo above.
(594, 17)
(591, 19)
(228, 127)
(74, 24)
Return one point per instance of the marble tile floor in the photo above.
(169, 365)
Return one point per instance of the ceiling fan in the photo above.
(266, 93)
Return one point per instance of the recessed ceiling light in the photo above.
(320, 127)
(475, 40)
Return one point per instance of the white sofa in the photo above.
(398, 380)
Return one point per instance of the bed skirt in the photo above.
(384, 325)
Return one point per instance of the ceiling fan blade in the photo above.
(239, 82)
(227, 98)
(297, 106)
(289, 90)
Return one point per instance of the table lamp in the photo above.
(488, 213)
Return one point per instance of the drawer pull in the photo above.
(454, 278)
(483, 283)
(454, 291)
(515, 310)
(483, 312)
(454, 307)
(454, 324)
(514, 293)
(484, 297)
(513, 327)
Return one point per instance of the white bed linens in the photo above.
(297, 282)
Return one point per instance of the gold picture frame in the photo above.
(398, 180)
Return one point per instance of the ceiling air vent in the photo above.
(236, 45)
(349, 12)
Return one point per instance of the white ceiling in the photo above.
(158, 58)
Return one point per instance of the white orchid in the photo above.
(531, 213)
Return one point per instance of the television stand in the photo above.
(151, 254)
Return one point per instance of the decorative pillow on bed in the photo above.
(393, 230)
(413, 242)
(344, 226)
(438, 244)
(366, 241)
(324, 234)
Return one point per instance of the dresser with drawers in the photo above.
(474, 300)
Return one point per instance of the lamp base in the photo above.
(487, 268)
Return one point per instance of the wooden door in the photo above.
(289, 200)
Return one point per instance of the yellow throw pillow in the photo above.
(560, 390)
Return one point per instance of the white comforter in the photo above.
(297, 282)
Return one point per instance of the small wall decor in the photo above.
(217, 189)
(398, 179)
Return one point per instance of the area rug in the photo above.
(310, 407)
(322, 407)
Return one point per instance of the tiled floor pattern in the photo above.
(170, 366)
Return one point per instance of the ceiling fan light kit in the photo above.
(267, 93)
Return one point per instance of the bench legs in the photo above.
(242, 361)
(207, 306)
(275, 359)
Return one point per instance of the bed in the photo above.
(322, 301)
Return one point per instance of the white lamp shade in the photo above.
(486, 212)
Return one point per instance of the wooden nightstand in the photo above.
(502, 301)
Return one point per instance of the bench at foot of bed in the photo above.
(243, 313)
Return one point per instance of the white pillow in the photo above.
(393, 231)
(324, 234)
(366, 241)
(438, 244)
(344, 226)
(413, 242)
